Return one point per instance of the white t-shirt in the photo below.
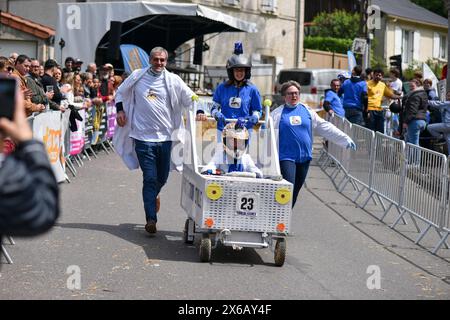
(152, 119)
(396, 85)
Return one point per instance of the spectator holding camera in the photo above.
(29, 195)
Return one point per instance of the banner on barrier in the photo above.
(77, 137)
(99, 124)
(48, 128)
(111, 115)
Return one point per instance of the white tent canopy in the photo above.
(83, 26)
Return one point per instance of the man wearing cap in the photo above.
(150, 103)
(68, 65)
(106, 89)
(77, 65)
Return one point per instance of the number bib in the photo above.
(247, 204)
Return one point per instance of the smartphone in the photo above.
(8, 92)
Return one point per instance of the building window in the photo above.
(269, 5)
(234, 3)
(410, 46)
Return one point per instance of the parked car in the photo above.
(313, 84)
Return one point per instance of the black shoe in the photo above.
(150, 227)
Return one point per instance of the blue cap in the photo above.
(240, 123)
(238, 48)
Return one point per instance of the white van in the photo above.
(312, 82)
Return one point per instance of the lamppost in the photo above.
(62, 44)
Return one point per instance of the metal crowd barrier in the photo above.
(413, 180)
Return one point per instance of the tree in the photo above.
(339, 24)
(436, 6)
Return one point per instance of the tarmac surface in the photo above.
(336, 250)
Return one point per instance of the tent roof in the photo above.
(85, 26)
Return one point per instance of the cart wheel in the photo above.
(280, 252)
(205, 248)
(186, 233)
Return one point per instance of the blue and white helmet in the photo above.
(344, 75)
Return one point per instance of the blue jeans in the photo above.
(414, 129)
(154, 160)
(354, 116)
(438, 129)
(295, 173)
(412, 136)
(376, 121)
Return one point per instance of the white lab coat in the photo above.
(180, 97)
(319, 126)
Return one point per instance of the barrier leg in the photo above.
(80, 159)
(93, 152)
(11, 240)
(386, 211)
(415, 222)
(381, 201)
(440, 235)
(71, 166)
(400, 217)
(104, 148)
(443, 239)
(359, 192)
(6, 254)
(424, 232)
(368, 199)
(110, 145)
(87, 155)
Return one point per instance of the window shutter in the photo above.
(416, 44)
(398, 41)
(436, 45)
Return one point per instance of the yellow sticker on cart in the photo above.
(283, 195)
(214, 191)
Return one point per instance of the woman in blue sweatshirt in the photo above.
(295, 123)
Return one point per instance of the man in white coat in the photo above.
(150, 105)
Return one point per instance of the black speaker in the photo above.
(115, 32)
(198, 51)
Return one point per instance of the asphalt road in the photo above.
(334, 252)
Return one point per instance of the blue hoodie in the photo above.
(355, 93)
(335, 103)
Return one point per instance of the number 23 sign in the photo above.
(247, 204)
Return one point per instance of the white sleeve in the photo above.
(184, 92)
(328, 131)
(249, 166)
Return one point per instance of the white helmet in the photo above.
(235, 139)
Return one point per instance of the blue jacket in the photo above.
(355, 93)
(332, 101)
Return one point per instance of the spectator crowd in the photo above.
(51, 86)
(407, 111)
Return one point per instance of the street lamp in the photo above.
(62, 44)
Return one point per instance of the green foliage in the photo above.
(408, 73)
(328, 44)
(436, 6)
(339, 24)
(435, 66)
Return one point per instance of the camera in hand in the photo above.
(8, 87)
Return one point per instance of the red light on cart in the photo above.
(209, 222)
(281, 227)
